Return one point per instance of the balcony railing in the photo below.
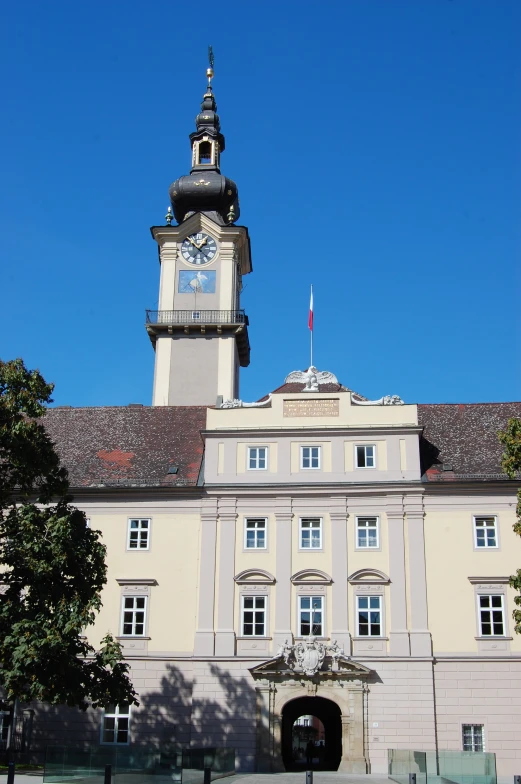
(196, 316)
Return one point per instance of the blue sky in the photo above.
(375, 144)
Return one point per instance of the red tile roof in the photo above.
(460, 439)
(133, 445)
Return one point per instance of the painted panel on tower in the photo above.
(199, 282)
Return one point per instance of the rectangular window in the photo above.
(485, 532)
(138, 534)
(254, 616)
(473, 737)
(255, 533)
(369, 615)
(367, 534)
(310, 457)
(134, 611)
(366, 456)
(311, 610)
(116, 724)
(257, 458)
(311, 533)
(491, 615)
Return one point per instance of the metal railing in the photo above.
(196, 316)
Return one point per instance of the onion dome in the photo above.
(205, 189)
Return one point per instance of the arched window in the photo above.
(205, 152)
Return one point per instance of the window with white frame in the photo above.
(491, 615)
(367, 532)
(134, 614)
(473, 737)
(116, 724)
(369, 616)
(310, 533)
(485, 532)
(257, 458)
(255, 533)
(365, 456)
(310, 612)
(138, 534)
(310, 457)
(254, 616)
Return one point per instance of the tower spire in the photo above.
(205, 189)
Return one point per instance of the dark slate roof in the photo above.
(460, 439)
(128, 445)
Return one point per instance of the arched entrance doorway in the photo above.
(325, 734)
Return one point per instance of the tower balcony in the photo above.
(207, 323)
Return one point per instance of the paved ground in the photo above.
(269, 778)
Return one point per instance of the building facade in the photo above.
(313, 554)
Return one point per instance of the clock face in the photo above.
(199, 248)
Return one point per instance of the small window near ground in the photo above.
(134, 610)
(116, 724)
(311, 533)
(255, 533)
(473, 737)
(367, 534)
(369, 614)
(365, 456)
(257, 458)
(310, 457)
(491, 615)
(138, 534)
(311, 611)
(254, 616)
(485, 532)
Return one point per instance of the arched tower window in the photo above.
(204, 153)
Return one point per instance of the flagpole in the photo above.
(310, 325)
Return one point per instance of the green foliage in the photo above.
(511, 464)
(53, 566)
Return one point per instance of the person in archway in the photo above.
(310, 752)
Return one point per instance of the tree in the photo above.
(52, 565)
(511, 464)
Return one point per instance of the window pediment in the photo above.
(254, 577)
(310, 577)
(368, 577)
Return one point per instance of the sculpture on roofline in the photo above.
(386, 400)
(235, 403)
(311, 378)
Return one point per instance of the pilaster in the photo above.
(398, 636)
(204, 644)
(283, 521)
(421, 642)
(340, 619)
(225, 634)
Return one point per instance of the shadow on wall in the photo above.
(199, 705)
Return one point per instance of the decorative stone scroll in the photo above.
(386, 400)
(234, 403)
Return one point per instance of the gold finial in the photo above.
(209, 71)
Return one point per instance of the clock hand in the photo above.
(194, 243)
(201, 244)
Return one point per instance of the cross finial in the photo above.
(209, 71)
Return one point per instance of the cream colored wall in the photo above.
(349, 415)
(172, 560)
(451, 559)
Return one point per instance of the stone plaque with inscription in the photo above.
(311, 408)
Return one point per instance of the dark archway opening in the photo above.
(316, 721)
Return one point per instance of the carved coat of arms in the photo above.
(308, 656)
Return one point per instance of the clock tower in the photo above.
(200, 332)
